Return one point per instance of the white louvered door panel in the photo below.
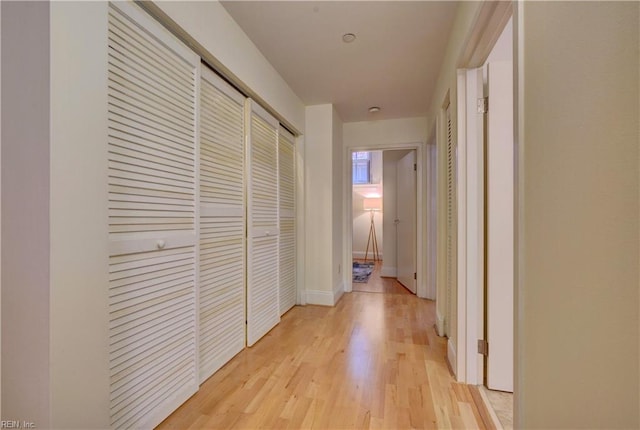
(222, 224)
(152, 89)
(452, 222)
(286, 200)
(262, 227)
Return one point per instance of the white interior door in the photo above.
(286, 201)
(152, 89)
(406, 220)
(263, 311)
(222, 224)
(500, 226)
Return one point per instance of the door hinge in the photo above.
(483, 105)
(415, 167)
(483, 347)
(415, 275)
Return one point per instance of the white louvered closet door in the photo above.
(222, 224)
(262, 226)
(152, 87)
(286, 200)
(452, 221)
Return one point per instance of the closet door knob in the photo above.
(160, 244)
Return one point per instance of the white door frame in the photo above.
(420, 207)
(430, 219)
(470, 286)
(491, 20)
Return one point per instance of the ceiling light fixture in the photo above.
(374, 109)
(348, 37)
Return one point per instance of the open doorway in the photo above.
(484, 343)
(384, 221)
(499, 227)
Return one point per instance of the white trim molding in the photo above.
(440, 323)
(317, 297)
(470, 286)
(452, 357)
(324, 298)
(421, 206)
(388, 272)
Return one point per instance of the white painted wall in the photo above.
(577, 313)
(79, 325)
(323, 252)
(337, 228)
(318, 198)
(1, 214)
(212, 26)
(25, 212)
(384, 133)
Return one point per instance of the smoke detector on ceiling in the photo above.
(374, 109)
(348, 37)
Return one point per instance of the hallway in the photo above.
(373, 361)
(378, 284)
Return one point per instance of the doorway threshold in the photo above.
(499, 404)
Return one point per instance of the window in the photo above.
(361, 167)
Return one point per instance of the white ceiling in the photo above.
(393, 63)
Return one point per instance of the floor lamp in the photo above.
(373, 205)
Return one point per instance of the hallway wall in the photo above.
(577, 310)
(323, 206)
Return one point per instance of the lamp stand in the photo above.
(373, 240)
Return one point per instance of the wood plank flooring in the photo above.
(378, 284)
(372, 361)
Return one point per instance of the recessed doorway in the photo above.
(384, 221)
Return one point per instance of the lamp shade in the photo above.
(372, 204)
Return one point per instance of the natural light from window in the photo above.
(361, 167)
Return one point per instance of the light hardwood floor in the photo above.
(378, 284)
(372, 361)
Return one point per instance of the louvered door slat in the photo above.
(286, 202)
(152, 176)
(222, 221)
(146, 144)
(451, 237)
(263, 311)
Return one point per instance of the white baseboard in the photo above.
(360, 254)
(439, 323)
(388, 272)
(316, 297)
(338, 293)
(451, 356)
(324, 298)
(302, 297)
